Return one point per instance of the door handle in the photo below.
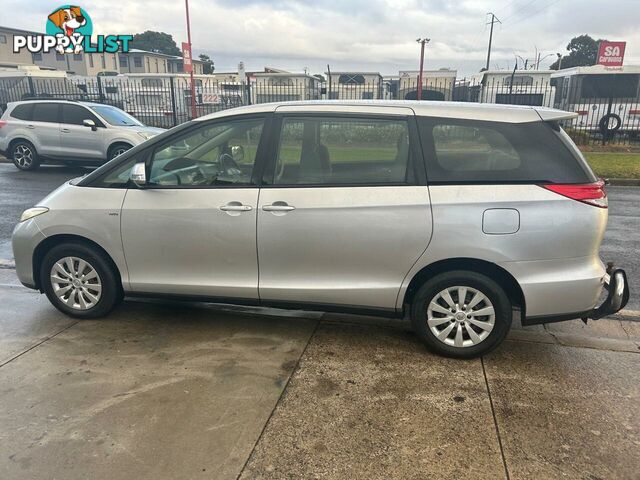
(278, 207)
(65, 130)
(235, 207)
(31, 127)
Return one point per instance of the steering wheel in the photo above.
(229, 165)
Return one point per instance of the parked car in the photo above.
(459, 216)
(57, 131)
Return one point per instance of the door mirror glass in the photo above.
(138, 174)
(237, 152)
(90, 123)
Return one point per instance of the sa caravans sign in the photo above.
(611, 54)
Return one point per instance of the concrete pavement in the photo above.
(183, 391)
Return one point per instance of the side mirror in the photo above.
(138, 175)
(90, 123)
(237, 152)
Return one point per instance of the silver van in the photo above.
(459, 216)
(58, 131)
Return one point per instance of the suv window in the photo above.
(334, 151)
(23, 112)
(75, 115)
(467, 151)
(46, 112)
(222, 153)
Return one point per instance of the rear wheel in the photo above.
(79, 281)
(24, 155)
(461, 314)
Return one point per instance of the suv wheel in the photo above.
(79, 281)
(117, 149)
(461, 314)
(24, 155)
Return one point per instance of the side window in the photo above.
(333, 151)
(46, 112)
(222, 153)
(471, 151)
(467, 148)
(23, 112)
(75, 115)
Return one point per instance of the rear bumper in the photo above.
(617, 287)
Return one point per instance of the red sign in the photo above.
(611, 54)
(186, 58)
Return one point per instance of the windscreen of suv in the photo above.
(468, 151)
(117, 117)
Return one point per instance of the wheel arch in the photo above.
(15, 140)
(494, 271)
(49, 242)
(115, 143)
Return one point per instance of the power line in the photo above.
(521, 9)
(533, 14)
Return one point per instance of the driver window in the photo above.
(214, 154)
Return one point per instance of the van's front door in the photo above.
(192, 231)
(345, 211)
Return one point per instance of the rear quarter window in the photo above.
(466, 151)
(22, 112)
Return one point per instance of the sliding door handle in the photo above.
(278, 207)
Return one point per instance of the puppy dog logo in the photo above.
(69, 21)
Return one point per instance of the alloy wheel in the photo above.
(76, 283)
(460, 316)
(23, 156)
(117, 152)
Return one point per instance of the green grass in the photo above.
(614, 165)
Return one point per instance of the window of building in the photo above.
(103, 61)
(124, 61)
(115, 62)
(137, 62)
(334, 151)
(349, 79)
(77, 57)
(59, 57)
(36, 57)
(3, 39)
(91, 60)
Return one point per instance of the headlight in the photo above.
(32, 212)
(146, 135)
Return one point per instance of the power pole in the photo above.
(494, 19)
(422, 42)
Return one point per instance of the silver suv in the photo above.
(458, 216)
(36, 131)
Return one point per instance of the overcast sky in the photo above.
(364, 35)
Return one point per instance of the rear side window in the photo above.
(466, 151)
(23, 112)
(45, 112)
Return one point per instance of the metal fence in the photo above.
(605, 113)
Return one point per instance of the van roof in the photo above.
(460, 110)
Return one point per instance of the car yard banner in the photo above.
(611, 54)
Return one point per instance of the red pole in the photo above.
(194, 113)
(421, 67)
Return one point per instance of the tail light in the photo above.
(589, 193)
(2, 123)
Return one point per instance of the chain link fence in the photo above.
(607, 106)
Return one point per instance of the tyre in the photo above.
(80, 281)
(24, 155)
(117, 149)
(461, 314)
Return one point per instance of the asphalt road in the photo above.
(21, 190)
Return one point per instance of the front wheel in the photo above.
(80, 281)
(117, 150)
(24, 155)
(461, 314)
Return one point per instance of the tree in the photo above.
(158, 42)
(208, 66)
(583, 51)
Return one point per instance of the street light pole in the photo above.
(494, 19)
(194, 113)
(422, 42)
